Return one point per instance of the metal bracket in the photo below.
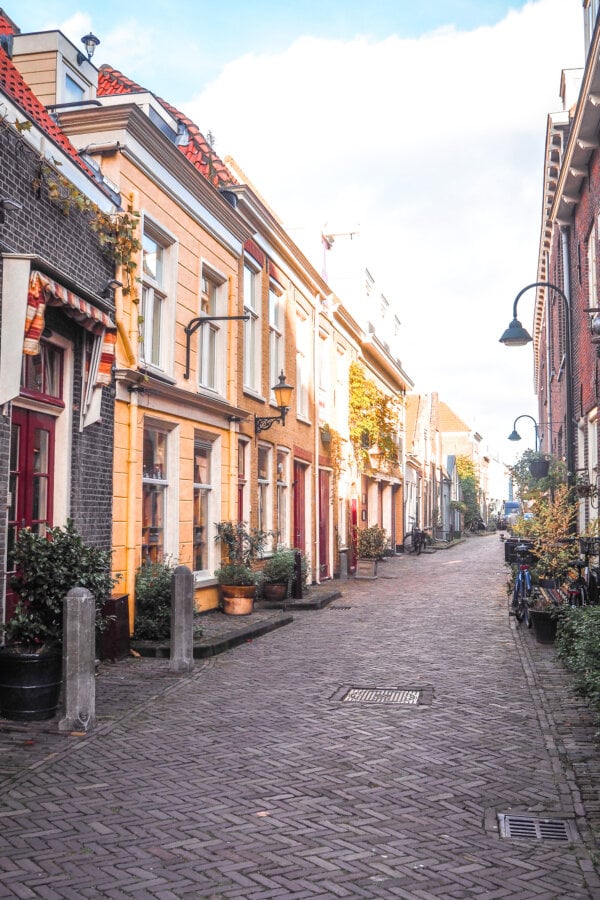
(194, 324)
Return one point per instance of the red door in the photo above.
(299, 504)
(324, 504)
(31, 478)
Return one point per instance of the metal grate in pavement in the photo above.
(530, 827)
(381, 695)
(339, 607)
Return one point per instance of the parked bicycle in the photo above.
(522, 588)
(415, 540)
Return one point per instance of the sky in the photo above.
(422, 125)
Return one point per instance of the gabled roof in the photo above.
(13, 84)
(449, 421)
(196, 148)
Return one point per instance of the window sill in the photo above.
(248, 392)
(159, 374)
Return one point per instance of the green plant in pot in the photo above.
(238, 575)
(46, 567)
(371, 543)
(278, 574)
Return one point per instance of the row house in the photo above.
(211, 305)
(566, 329)
(57, 322)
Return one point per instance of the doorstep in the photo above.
(220, 633)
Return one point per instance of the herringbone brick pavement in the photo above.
(251, 778)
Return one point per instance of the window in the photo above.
(590, 13)
(276, 341)
(202, 503)
(324, 361)
(591, 261)
(157, 272)
(74, 92)
(264, 488)
(303, 343)
(242, 480)
(42, 374)
(251, 328)
(283, 497)
(154, 494)
(211, 336)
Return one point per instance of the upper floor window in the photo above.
(590, 14)
(211, 335)
(303, 344)
(592, 272)
(276, 339)
(155, 313)
(252, 327)
(42, 374)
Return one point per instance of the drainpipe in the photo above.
(316, 444)
(548, 369)
(132, 451)
(232, 514)
(564, 233)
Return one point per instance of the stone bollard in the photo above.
(79, 658)
(182, 620)
(298, 581)
(344, 564)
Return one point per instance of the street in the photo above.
(254, 778)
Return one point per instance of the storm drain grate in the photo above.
(339, 607)
(381, 695)
(535, 829)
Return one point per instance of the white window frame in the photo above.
(283, 496)
(276, 334)
(324, 361)
(65, 72)
(170, 485)
(264, 494)
(164, 292)
(252, 343)
(208, 442)
(592, 270)
(212, 337)
(303, 365)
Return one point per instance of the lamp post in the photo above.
(517, 336)
(515, 436)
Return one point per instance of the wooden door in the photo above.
(299, 506)
(324, 506)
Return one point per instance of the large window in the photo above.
(591, 261)
(42, 374)
(276, 339)
(157, 275)
(252, 328)
(154, 494)
(303, 343)
(264, 488)
(203, 515)
(210, 340)
(283, 516)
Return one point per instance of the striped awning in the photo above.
(44, 291)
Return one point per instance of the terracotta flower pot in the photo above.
(238, 599)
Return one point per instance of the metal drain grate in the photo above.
(528, 827)
(339, 607)
(381, 695)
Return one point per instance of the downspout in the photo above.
(550, 423)
(232, 514)
(316, 505)
(564, 233)
(132, 451)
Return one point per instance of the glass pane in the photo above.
(74, 93)
(32, 374)
(249, 288)
(39, 510)
(156, 329)
(155, 454)
(201, 498)
(152, 259)
(41, 441)
(201, 465)
(153, 514)
(52, 367)
(263, 463)
(241, 459)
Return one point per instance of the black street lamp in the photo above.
(515, 436)
(517, 336)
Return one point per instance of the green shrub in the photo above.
(153, 602)
(578, 645)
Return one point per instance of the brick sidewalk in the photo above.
(251, 778)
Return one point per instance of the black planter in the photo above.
(544, 625)
(539, 468)
(29, 685)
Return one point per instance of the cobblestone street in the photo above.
(253, 778)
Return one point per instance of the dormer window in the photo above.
(74, 92)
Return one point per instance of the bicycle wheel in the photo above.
(418, 544)
(408, 543)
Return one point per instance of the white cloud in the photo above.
(435, 145)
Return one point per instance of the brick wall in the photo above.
(67, 243)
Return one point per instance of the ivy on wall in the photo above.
(373, 419)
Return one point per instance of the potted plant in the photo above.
(238, 575)
(370, 546)
(46, 567)
(278, 574)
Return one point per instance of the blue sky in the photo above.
(419, 124)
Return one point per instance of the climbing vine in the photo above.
(373, 419)
(117, 232)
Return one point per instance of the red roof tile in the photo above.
(111, 82)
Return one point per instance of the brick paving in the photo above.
(251, 778)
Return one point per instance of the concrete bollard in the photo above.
(79, 658)
(344, 564)
(182, 620)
